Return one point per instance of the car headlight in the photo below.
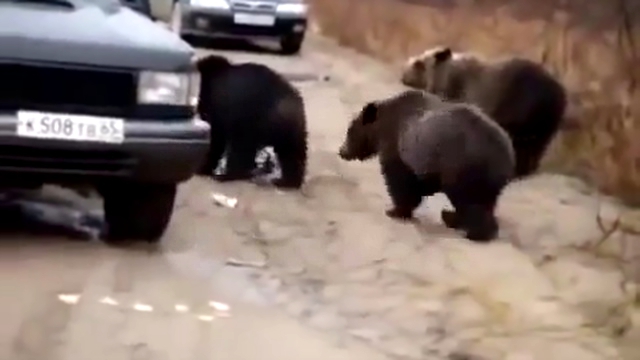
(194, 89)
(168, 88)
(216, 4)
(293, 7)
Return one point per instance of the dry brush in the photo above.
(591, 45)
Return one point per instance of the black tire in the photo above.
(138, 211)
(291, 44)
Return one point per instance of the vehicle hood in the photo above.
(88, 34)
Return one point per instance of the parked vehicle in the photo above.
(99, 95)
(284, 20)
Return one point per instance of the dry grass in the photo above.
(590, 45)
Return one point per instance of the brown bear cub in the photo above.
(426, 145)
(249, 106)
(519, 94)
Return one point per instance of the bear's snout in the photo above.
(410, 79)
(405, 77)
(343, 152)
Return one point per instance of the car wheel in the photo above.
(138, 211)
(291, 44)
(176, 19)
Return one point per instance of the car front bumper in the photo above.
(153, 151)
(208, 22)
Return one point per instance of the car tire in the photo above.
(138, 211)
(291, 44)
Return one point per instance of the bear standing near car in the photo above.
(249, 106)
(519, 94)
(426, 145)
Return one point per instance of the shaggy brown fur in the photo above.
(519, 94)
(426, 145)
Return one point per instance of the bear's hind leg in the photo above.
(455, 219)
(292, 155)
(482, 225)
(474, 212)
(216, 150)
(451, 218)
(528, 157)
(241, 161)
(530, 143)
(478, 221)
(404, 188)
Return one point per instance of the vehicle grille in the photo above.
(70, 90)
(254, 6)
(89, 162)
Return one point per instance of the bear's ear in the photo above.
(210, 64)
(443, 55)
(369, 113)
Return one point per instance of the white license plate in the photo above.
(254, 19)
(41, 125)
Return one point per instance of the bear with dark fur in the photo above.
(250, 106)
(519, 94)
(426, 145)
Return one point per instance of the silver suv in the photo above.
(285, 20)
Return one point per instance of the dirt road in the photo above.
(323, 274)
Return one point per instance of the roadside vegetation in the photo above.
(593, 46)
